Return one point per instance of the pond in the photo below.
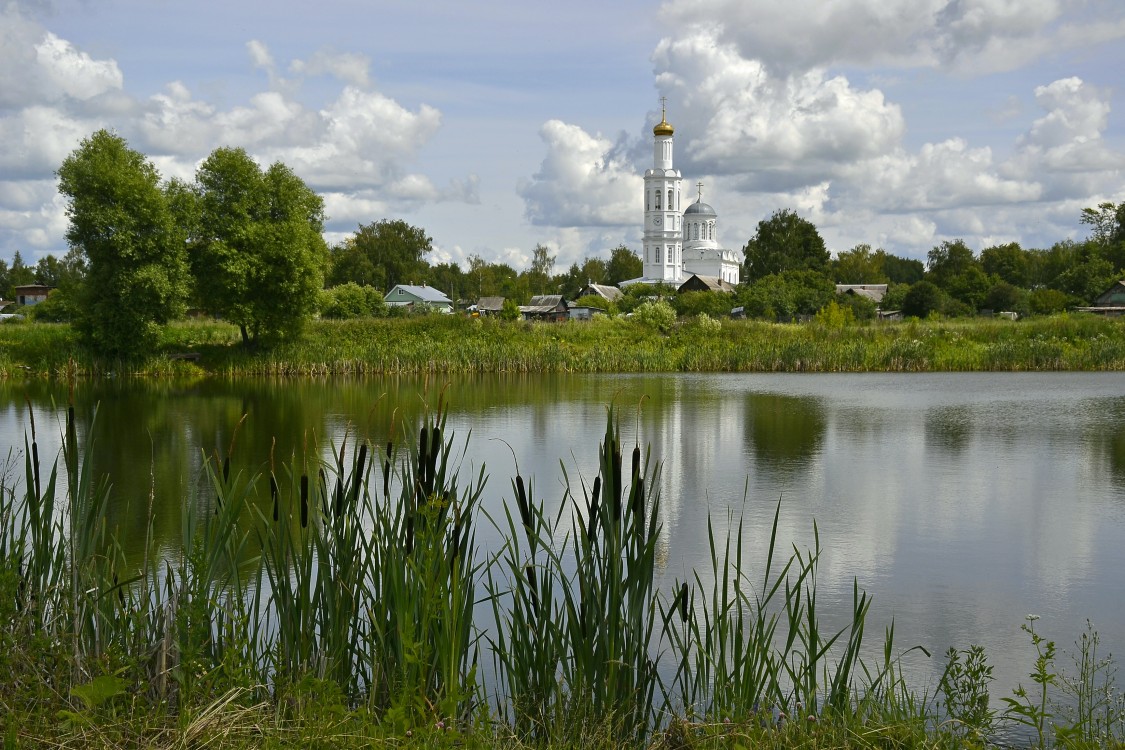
(961, 502)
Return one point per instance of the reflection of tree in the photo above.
(784, 432)
(1110, 438)
(949, 428)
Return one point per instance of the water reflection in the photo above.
(784, 432)
(949, 429)
(962, 502)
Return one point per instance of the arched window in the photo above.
(647, 202)
(671, 205)
(658, 199)
(711, 230)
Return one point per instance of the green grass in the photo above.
(353, 608)
(446, 344)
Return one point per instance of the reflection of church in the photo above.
(679, 243)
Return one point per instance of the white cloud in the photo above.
(583, 180)
(738, 117)
(75, 73)
(348, 67)
(970, 36)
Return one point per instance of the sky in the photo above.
(498, 125)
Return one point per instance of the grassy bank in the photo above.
(459, 345)
(344, 602)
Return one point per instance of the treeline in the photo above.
(246, 244)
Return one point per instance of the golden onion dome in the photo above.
(662, 127)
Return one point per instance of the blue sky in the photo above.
(499, 125)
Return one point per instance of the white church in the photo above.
(679, 242)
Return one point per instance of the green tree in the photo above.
(20, 274)
(449, 278)
(953, 268)
(1108, 222)
(352, 301)
(901, 270)
(386, 253)
(348, 264)
(859, 266)
(784, 242)
(922, 299)
(714, 304)
(257, 249)
(1010, 263)
(1005, 297)
(1047, 301)
(860, 307)
(539, 275)
(623, 265)
(49, 271)
(577, 277)
(120, 220)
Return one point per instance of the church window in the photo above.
(711, 230)
(671, 205)
(646, 202)
(658, 199)
(658, 253)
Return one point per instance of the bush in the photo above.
(922, 299)
(836, 316)
(861, 308)
(659, 315)
(351, 300)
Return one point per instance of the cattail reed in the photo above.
(304, 501)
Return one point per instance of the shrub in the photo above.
(659, 315)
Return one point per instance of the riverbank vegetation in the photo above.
(646, 342)
(340, 599)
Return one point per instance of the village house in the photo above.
(409, 295)
(31, 294)
(548, 307)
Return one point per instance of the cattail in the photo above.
(595, 508)
(521, 501)
(616, 462)
(683, 602)
(304, 501)
(532, 588)
(274, 495)
(323, 477)
(423, 458)
(435, 450)
(636, 462)
(357, 477)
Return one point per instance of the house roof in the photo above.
(873, 292)
(1111, 296)
(713, 283)
(604, 291)
(544, 303)
(424, 293)
(490, 304)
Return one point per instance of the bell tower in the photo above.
(663, 229)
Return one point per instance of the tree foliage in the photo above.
(382, 254)
(860, 265)
(256, 245)
(784, 242)
(624, 264)
(121, 222)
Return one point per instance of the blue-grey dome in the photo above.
(699, 207)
